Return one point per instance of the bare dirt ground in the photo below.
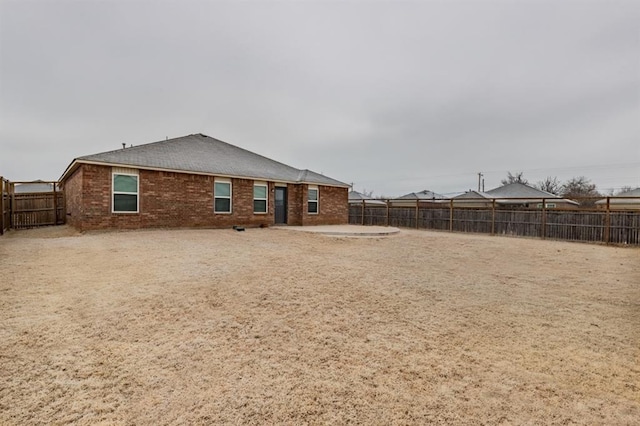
(268, 326)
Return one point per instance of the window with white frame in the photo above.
(312, 200)
(260, 191)
(124, 198)
(222, 196)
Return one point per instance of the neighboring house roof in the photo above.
(472, 198)
(630, 197)
(30, 187)
(630, 193)
(473, 195)
(422, 195)
(357, 197)
(202, 154)
(519, 192)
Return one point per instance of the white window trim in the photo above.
(266, 198)
(230, 197)
(317, 200)
(114, 173)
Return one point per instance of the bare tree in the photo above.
(623, 190)
(582, 189)
(514, 178)
(367, 194)
(550, 184)
(613, 192)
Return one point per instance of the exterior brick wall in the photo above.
(73, 198)
(333, 207)
(294, 205)
(169, 199)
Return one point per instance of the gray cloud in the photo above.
(394, 96)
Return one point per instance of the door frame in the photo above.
(285, 191)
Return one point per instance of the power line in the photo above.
(591, 167)
(542, 169)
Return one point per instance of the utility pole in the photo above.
(480, 180)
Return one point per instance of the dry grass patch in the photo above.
(266, 326)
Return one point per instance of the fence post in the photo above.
(362, 219)
(55, 205)
(544, 219)
(607, 223)
(493, 216)
(387, 202)
(451, 215)
(417, 212)
(12, 200)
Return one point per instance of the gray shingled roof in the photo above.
(630, 193)
(422, 195)
(200, 153)
(518, 190)
(631, 197)
(472, 194)
(358, 197)
(523, 193)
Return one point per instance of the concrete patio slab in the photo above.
(344, 230)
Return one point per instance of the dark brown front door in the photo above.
(281, 205)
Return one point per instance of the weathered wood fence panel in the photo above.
(625, 227)
(470, 220)
(37, 209)
(24, 209)
(601, 226)
(523, 223)
(430, 218)
(576, 225)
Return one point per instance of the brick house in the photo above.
(196, 181)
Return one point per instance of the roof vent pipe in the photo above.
(124, 145)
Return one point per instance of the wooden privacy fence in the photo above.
(604, 225)
(31, 208)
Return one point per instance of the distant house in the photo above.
(36, 186)
(356, 197)
(472, 199)
(630, 201)
(196, 181)
(424, 198)
(513, 195)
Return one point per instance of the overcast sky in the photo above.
(393, 96)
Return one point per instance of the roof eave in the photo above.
(69, 170)
(335, 185)
(76, 163)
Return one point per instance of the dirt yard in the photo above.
(271, 326)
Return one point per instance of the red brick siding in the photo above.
(333, 207)
(73, 198)
(294, 204)
(169, 199)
